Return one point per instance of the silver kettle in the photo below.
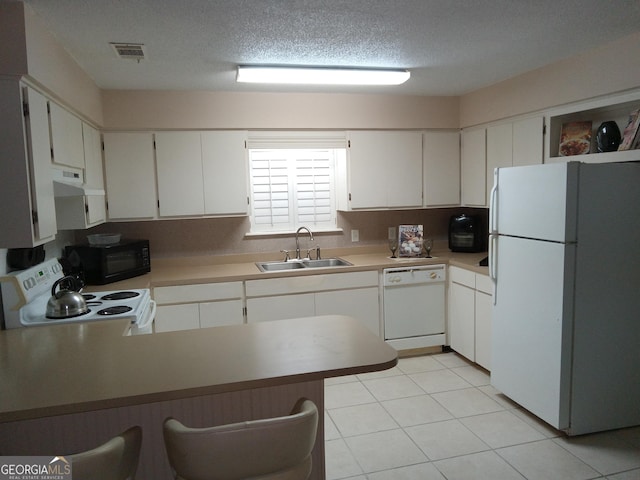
(66, 302)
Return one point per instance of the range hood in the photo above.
(69, 183)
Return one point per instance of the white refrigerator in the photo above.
(564, 256)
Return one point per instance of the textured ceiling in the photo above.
(450, 46)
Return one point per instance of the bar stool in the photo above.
(273, 448)
(117, 459)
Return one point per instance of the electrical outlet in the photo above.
(391, 233)
(355, 235)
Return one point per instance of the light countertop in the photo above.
(222, 268)
(81, 367)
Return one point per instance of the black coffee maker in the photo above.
(467, 233)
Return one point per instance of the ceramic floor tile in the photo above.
(445, 439)
(361, 419)
(605, 452)
(416, 410)
(392, 387)
(389, 372)
(419, 364)
(384, 450)
(474, 375)
(467, 402)
(346, 394)
(452, 360)
(540, 425)
(339, 380)
(498, 396)
(501, 429)
(546, 460)
(339, 461)
(630, 435)
(439, 381)
(330, 430)
(458, 424)
(477, 466)
(630, 475)
(421, 471)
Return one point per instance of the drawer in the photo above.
(462, 276)
(202, 292)
(484, 284)
(311, 283)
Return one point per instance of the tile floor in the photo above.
(437, 417)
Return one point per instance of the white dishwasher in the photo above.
(414, 306)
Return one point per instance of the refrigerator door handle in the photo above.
(493, 204)
(493, 264)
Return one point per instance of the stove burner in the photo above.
(94, 303)
(120, 295)
(116, 310)
(88, 296)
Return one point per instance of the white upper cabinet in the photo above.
(179, 164)
(384, 169)
(441, 168)
(66, 137)
(26, 188)
(224, 168)
(514, 144)
(499, 150)
(473, 167)
(130, 176)
(93, 175)
(80, 212)
(528, 141)
(202, 173)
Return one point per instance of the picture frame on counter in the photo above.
(410, 240)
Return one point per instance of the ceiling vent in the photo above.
(131, 51)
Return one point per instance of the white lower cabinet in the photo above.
(184, 307)
(354, 294)
(470, 304)
(462, 315)
(361, 303)
(484, 305)
(280, 307)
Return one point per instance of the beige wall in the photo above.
(195, 110)
(612, 68)
(13, 53)
(226, 236)
(28, 49)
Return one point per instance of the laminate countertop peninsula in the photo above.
(71, 372)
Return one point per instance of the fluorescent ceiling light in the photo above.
(321, 75)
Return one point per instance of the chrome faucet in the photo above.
(298, 242)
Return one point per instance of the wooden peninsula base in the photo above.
(69, 388)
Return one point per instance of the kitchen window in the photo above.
(293, 180)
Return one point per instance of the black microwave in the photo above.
(101, 264)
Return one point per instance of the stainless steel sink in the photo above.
(326, 262)
(297, 264)
(276, 266)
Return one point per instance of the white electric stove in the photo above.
(25, 295)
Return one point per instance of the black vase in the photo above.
(608, 137)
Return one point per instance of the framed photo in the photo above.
(410, 240)
(575, 139)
